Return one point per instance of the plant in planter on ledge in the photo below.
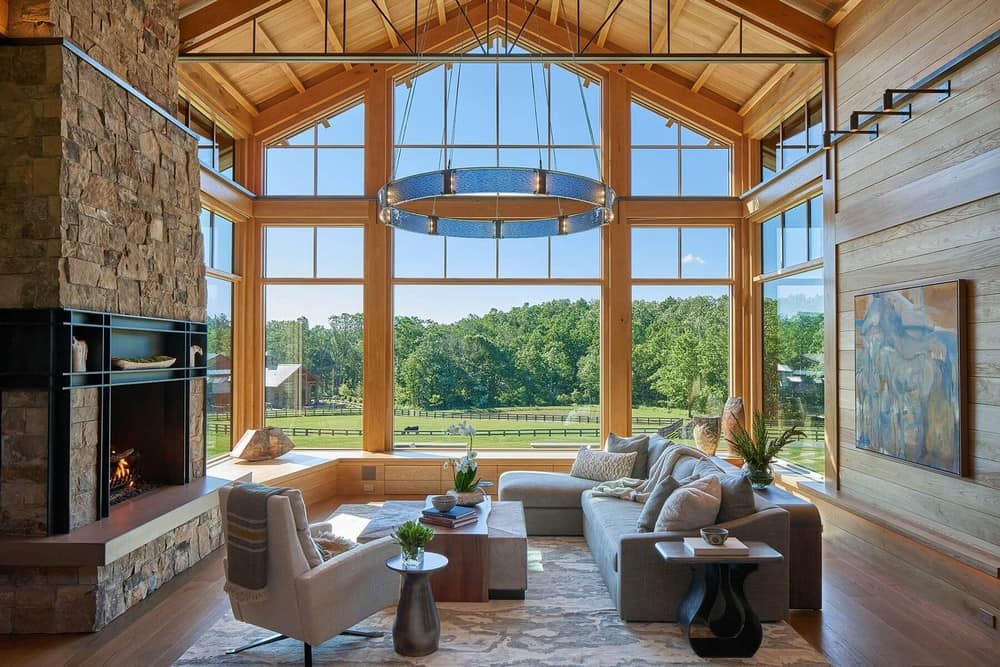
(757, 450)
(466, 480)
(412, 537)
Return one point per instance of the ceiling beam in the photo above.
(441, 13)
(554, 11)
(695, 108)
(331, 35)
(788, 22)
(192, 7)
(609, 18)
(218, 18)
(286, 69)
(781, 73)
(231, 88)
(390, 32)
(196, 85)
(842, 13)
(661, 39)
(731, 40)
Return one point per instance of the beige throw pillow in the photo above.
(313, 554)
(692, 506)
(602, 466)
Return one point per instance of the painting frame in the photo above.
(928, 313)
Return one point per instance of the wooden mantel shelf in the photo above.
(131, 525)
(975, 553)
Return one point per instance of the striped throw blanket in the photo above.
(246, 540)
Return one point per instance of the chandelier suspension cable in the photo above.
(586, 110)
(411, 93)
(534, 106)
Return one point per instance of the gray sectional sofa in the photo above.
(641, 585)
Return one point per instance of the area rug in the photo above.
(567, 619)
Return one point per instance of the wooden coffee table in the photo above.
(466, 548)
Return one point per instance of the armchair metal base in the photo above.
(307, 648)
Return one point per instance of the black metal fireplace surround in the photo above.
(143, 414)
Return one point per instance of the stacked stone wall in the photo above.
(85, 599)
(24, 462)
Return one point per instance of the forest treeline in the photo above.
(531, 355)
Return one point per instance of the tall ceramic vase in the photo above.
(733, 417)
(706, 434)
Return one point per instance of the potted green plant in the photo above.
(758, 450)
(412, 537)
(466, 487)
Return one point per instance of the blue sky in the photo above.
(458, 106)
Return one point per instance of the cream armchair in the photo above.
(313, 605)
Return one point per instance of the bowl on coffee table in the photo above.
(714, 536)
(443, 503)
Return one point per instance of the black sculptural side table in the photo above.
(417, 629)
(735, 627)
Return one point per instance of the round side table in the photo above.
(417, 629)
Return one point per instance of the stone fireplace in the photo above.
(99, 241)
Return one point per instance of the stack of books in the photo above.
(453, 518)
(696, 546)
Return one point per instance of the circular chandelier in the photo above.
(581, 203)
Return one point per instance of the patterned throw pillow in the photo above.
(638, 444)
(602, 466)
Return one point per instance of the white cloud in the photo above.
(692, 259)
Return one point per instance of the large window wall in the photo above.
(511, 334)
(792, 367)
(313, 333)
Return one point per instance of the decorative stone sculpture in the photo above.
(262, 444)
(79, 364)
(706, 434)
(732, 418)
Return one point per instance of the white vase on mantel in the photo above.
(468, 498)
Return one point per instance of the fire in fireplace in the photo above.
(124, 478)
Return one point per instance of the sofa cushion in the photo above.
(543, 489)
(737, 497)
(692, 506)
(602, 466)
(654, 503)
(638, 444)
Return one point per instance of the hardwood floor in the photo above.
(868, 619)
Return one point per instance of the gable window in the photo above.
(793, 138)
(671, 159)
(327, 158)
(216, 147)
(499, 114)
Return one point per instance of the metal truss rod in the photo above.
(524, 25)
(393, 26)
(472, 28)
(368, 57)
(597, 32)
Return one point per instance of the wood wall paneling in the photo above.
(920, 204)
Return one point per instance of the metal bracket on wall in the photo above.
(888, 97)
(828, 136)
(905, 114)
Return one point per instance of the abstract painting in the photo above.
(909, 374)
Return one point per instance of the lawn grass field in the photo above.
(520, 434)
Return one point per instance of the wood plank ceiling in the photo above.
(697, 26)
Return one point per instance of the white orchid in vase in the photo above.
(466, 467)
